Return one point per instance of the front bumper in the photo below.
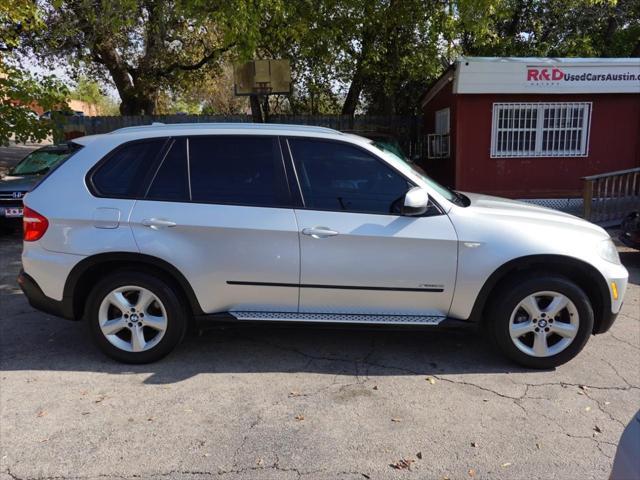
(38, 300)
(617, 279)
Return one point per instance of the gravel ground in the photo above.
(272, 402)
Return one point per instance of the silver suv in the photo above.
(143, 230)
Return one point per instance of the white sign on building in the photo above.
(547, 75)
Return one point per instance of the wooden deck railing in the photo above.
(610, 196)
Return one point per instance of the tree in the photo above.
(90, 92)
(20, 91)
(218, 96)
(145, 46)
(371, 55)
(587, 28)
(347, 56)
(404, 56)
(311, 34)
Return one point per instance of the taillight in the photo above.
(34, 225)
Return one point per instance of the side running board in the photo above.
(338, 318)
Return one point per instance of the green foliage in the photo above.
(215, 94)
(347, 56)
(17, 17)
(353, 55)
(145, 47)
(89, 91)
(586, 28)
(19, 91)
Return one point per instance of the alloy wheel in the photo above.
(544, 324)
(132, 318)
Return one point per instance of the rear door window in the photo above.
(125, 171)
(237, 170)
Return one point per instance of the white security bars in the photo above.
(438, 145)
(540, 129)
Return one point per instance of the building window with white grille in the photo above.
(442, 121)
(438, 143)
(540, 129)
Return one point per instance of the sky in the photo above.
(34, 66)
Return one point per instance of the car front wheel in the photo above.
(541, 322)
(135, 317)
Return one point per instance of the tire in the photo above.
(155, 326)
(518, 329)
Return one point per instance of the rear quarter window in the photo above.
(124, 172)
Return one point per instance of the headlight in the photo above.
(608, 251)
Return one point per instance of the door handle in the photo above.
(319, 232)
(157, 223)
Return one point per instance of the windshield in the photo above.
(387, 146)
(41, 160)
(447, 193)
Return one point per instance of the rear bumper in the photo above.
(38, 300)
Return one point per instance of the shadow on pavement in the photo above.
(34, 341)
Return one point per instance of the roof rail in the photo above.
(227, 126)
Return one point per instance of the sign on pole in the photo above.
(262, 77)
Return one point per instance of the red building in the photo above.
(532, 127)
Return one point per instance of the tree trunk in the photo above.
(136, 94)
(513, 27)
(357, 82)
(353, 95)
(610, 30)
(137, 102)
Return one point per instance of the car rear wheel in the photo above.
(541, 322)
(135, 317)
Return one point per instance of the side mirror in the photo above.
(416, 202)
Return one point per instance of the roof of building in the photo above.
(553, 60)
(539, 75)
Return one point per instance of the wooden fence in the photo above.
(406, 130)
(609, 197)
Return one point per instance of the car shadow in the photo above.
(32, 341)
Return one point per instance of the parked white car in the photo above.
(144, 229)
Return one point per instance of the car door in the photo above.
(358, 254)
(219, 211)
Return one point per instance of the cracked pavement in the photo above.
(269, 402)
